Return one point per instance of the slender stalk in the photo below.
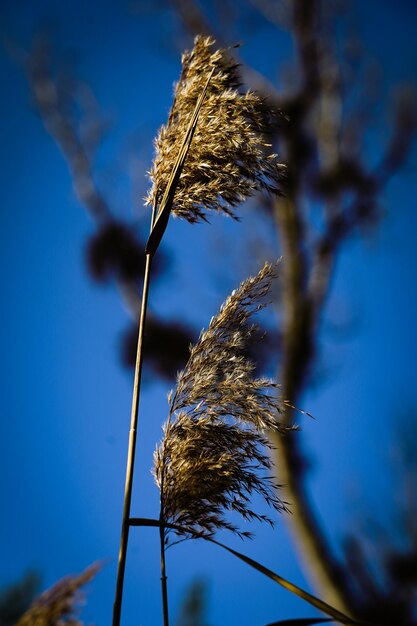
(117, 606)
(157, 230)
(162, 536)
(163, 574)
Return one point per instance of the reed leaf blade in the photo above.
(302, 621)
(336, 616)
(311, 621)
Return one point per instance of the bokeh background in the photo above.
(65, 390)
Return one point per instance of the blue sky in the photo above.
(65, 397)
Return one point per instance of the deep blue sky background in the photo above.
(66, 399)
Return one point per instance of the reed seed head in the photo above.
(214, 453)
(227, 161)
(58, 605)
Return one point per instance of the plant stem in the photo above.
(162, 533)
(117, 606)
(153, 242)
(163, 575)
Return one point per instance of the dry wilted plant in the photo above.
(226, 161)
(58, 605)
(214, 454)
(211, 155)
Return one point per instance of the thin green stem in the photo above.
(117, 606)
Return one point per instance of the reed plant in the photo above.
(210, 156)
(213, 458)
(213, 452)
(58, 606)
(213, 455)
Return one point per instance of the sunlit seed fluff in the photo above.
(213, 456)
(228, 160)
(58, 605)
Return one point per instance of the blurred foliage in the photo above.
(193, 611)
(16, 598)
(59, 605)
(381, 555)
(166, 347)
(116, 250)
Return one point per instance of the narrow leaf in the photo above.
(336, 615)
(168, 197)
(308, 597)
(302, 622)
(309, 621)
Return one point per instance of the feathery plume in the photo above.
(213, 456)
(57, 606)
(226, 161)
